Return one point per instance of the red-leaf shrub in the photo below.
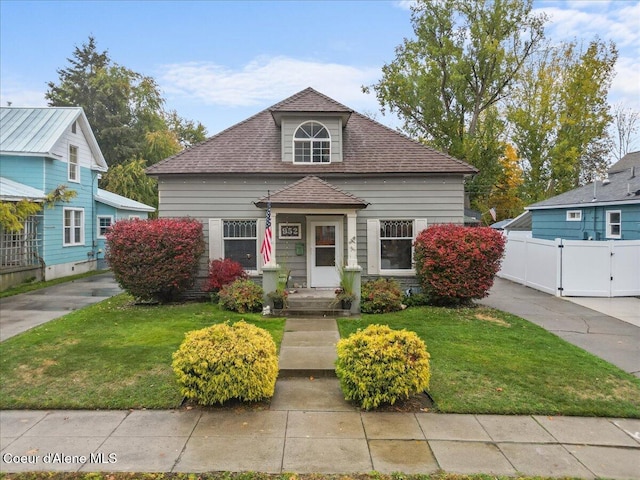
(223, 272)
(455, 264)
(155, 260)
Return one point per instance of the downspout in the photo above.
(43, 265)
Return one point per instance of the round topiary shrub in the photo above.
(241, 296)
(224, 362)
(380, 365)
(382, 295)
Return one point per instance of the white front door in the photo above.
(325, 241)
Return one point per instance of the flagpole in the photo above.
(267, 243)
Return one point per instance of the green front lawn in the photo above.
(487, 361)
(110, 355)
(118, 355)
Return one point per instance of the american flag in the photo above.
(265, 249)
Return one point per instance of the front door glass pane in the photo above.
(325, 245)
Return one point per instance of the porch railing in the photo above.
(20, 248)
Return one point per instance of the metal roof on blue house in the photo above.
(35, 131)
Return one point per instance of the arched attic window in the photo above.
(312, 144)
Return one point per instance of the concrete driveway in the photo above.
(25, 311)
(613, 339)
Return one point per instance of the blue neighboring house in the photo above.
(608, 209)
(40, 150)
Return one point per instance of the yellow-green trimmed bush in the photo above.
(380, 365)
(224, 362)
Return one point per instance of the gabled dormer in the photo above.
(311, 128)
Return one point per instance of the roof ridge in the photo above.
(303, 93)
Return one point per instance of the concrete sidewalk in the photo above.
(22, 312)
(601, 334)
(336, 440)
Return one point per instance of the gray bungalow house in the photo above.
(344, 190)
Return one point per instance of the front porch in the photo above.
(313, 231)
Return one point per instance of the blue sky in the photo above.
(218, 62)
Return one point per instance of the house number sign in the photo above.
(290, 231)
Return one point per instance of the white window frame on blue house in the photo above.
(75, 227)
(574, 215)
(611, 224)
(102, 230)
(74, 164)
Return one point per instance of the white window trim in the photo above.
(110, 217)
(609, 224)
(293, 144)
(574, 215)
(216, 240)
(373, 247)
(74, 166)
(72, 227)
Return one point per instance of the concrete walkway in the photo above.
(615, 340)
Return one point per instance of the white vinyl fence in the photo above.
(574, 268)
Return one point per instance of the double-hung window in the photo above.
(73, 227)
(396, 244)
(74, 167)
(311, 144)
(104, 222)
(614, 224)
(240, 241)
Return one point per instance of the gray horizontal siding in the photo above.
(438, 199)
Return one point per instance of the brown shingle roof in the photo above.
(253, 146)
(309, 100)
(311, 192)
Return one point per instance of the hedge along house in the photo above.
(40, 150)
(343, 190)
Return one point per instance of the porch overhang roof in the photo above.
(312, 192)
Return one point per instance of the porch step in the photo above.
(308, 348)
(320, 304)
(312, 312)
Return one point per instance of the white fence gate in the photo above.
(574, 268)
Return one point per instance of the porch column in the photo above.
(352, 241)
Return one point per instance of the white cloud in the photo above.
(404, 4)
(265, 79)
(20, 95)
(626, 85)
